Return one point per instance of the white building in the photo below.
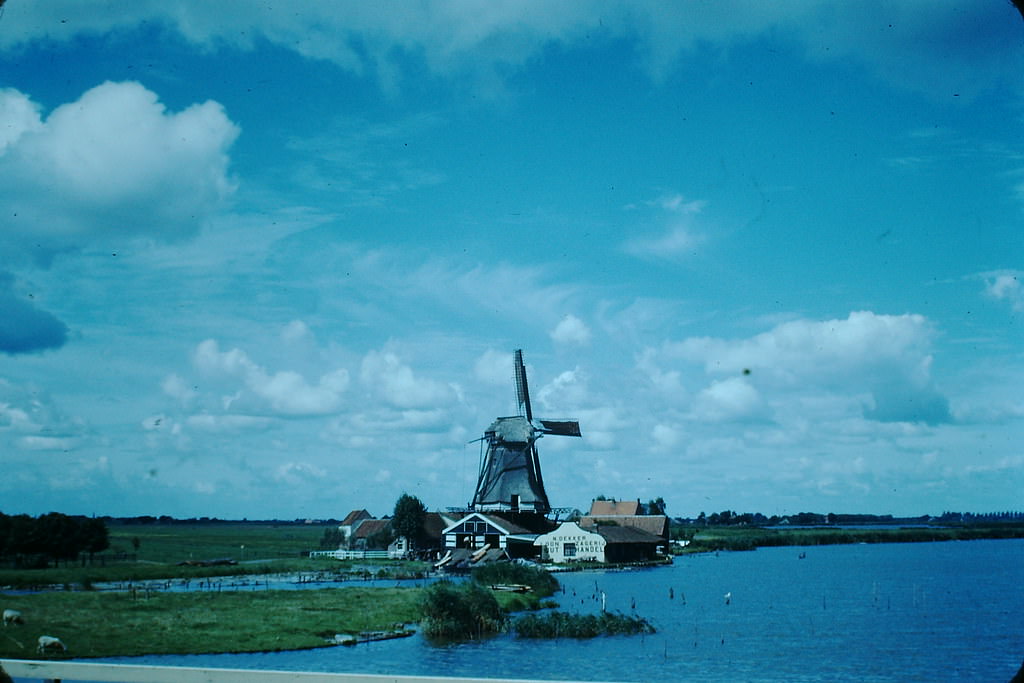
(570, 543)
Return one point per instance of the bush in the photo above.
(463, 612)
(565, 625)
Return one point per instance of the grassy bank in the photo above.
(749, 538)
(106, 624)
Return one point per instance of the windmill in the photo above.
(510, 477)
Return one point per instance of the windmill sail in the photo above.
(510, 476)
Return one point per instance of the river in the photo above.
(951, 611)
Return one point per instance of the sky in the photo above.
(264, 260)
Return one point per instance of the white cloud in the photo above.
(494, 367)
(678, 239)
(888, 357)
(665, 436)
(566, 392)
(729, 399)
(285, 392)
(176, 387)
(18, 115)
(296, 331)
(113, 164)
(900, 44)
(1006, 286)
(571, 330)
(385, 375)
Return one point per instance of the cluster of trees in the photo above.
(732, 518)
(36, 541)
(971, 517)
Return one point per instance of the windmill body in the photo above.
(510, 477)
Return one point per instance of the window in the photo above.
(569, 549)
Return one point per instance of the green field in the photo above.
(258, 548)
(171, 543)
(97, 624)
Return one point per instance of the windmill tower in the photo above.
(510, 477)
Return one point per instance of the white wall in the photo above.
(557, 545)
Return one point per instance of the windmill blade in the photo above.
(522, 389)
(560, 427)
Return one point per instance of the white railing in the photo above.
(352, 554)
(137, 673)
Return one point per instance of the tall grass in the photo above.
(467, 611)
(564, 625)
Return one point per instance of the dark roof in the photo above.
(626, 534)
(354, 516)
(652, 524)
(434, 525)
(369, 527)
(507, 525)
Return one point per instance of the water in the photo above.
(887, 612)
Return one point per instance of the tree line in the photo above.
(34, 542)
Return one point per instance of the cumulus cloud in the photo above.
(285, 392)
(24, 327)
(385, 375)
(113, 164)
(571, 330)
(885, 356)
(567, 391)
(729, 399)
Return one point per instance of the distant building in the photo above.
(351, 521)
(430, 541)
(364, 530)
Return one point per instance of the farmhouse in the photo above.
(351, 521)
(476, 531)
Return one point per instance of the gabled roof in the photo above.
(652, 524)
(627, 534)
(355, 516)
(611, 507)
(369, 527)
(505, 526)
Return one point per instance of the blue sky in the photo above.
(264, 262)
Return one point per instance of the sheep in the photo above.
(51, 644)
(12, 616)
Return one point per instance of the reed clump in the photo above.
(581, 626)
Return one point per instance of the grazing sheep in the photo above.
(50, 644)
(12, 616)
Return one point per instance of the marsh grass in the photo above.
(750, 538)
(108, 624)
(565, 625)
